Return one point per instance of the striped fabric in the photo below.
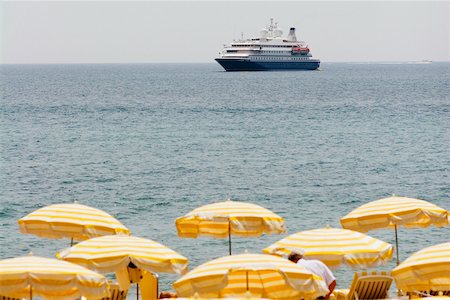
(110, 253)
(76, 221)
(335, 246)
(425, 270)
(247, 297)
(49, 279)
(387, 212)
(244, 219)
(257, 275)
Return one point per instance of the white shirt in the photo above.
(319, 268)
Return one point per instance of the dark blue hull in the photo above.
(246, 65)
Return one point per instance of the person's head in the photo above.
(295, 256)
(167, 294)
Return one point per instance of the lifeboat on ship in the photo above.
(300, 50)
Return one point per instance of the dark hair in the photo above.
(294, 256)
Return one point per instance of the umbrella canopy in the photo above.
(392, 211)
(249, 297)
(224, 219)
(23, 277)
(335, 246)
(75, 221)
(395, 211)
(425, 270)
(109, 253)
(260, 275)
(127, 256)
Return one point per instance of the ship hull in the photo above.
(247, 65)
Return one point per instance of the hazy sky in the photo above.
(188, 31)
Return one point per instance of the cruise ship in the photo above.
(269, 51)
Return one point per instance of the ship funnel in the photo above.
(291, 35)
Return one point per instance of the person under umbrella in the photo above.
(335, 247)
(256, 275)
(317, 267)
(126, 255)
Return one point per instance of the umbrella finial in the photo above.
(75, 201)
(328, 226)
(30, 253)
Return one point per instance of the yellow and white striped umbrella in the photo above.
(335, 246)
(76, 221)
(260, 275)
(110, 253)
(249, 297)
(395, 211)
(29, 276)
(224, 219)
(425, 270)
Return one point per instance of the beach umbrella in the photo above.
(245, 297)
(224, 219)
(29, 276)
(259, 275)
(335, 246)
(426, 270)
(74, 221)
(395, 211)
(118, 253)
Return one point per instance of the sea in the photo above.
(148, 143)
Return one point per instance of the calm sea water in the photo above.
(148, 143)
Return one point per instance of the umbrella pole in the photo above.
(246, 277)
(396, 244)
(31, 292)
(71, 242)
(229, 236)
(137, 291)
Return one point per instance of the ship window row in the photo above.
(280, 58)
(262, 46)
(264, 51)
